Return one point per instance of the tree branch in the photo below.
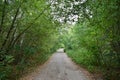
(29, 26)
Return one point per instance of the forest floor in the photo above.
(59, 67)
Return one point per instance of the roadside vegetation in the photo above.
(95, 42)
(28, 36)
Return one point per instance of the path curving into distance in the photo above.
(59, 67)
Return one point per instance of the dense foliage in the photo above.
(30, 32)
(28, 36)
(94, 42)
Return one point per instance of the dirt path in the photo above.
(59, 67)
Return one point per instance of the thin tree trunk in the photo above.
(11, 28)
(11, 41)
(29, 26)
(3, 15)
(22, 40)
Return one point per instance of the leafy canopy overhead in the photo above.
(70, 11)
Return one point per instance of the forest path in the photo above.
(59, 67)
